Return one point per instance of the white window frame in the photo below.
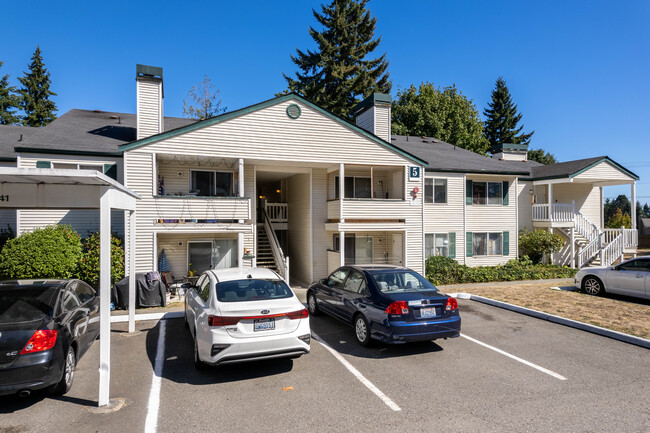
(487, 244)
(354, 187)
(487, 193)
(100, 167)
(433, 190)
(446, 235)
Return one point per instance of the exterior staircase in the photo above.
(601, 247)
(265, 257)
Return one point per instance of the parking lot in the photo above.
(508, 372)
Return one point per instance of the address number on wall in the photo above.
(414, 173)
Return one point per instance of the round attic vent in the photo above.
(293, 111)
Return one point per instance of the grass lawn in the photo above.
(620, 313)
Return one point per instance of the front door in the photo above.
(398, 249)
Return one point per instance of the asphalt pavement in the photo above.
(508, 372)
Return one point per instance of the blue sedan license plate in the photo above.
(427, 312)
(263, 324)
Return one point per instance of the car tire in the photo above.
(198, 364)
(362, 330)
(312, 305)
(69, 365)
(592, 286)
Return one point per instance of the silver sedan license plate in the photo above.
(263, 324)
(428, 312)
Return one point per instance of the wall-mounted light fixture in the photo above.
(180, 244)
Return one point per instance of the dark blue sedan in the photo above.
(387, 303)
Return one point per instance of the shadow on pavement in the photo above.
(340, 337)
(13, 403)
(179, 360)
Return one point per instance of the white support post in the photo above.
(573, 247)
(550, 202)
(241, 185)
(240, 249)
(131, 237)
(104, 296)
(372, 183)
(154, 171)
(341, 194)
(633, 205)
(342, 248)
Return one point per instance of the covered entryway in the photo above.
(29, 188)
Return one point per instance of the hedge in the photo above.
(89, 264)
(443, 270)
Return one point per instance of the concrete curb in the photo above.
(149, 316)
(626, 338)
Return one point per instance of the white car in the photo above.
(238, 315)
(631, 278)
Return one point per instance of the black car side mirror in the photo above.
(323, 281)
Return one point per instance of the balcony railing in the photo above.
(555, 212)
(277, 212)
(355, 208)
(189, 209)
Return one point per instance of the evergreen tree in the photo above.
(445, 114)
(539, 155)
(9, 101)
(502, 119)
(36, 104)
(338, 73)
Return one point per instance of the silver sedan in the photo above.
(630, 278)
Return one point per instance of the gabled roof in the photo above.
(571, 169)
(446, 157)
(270, 102)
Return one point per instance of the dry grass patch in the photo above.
(628, 317)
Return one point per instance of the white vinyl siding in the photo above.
(321, 239)
(603, 171)
(525, 204)
(448, 217)
(150, 108)
(586, 196)
(299, 225)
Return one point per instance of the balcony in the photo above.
(368, 209)
(201, 210)
(551, 213)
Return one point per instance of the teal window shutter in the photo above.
(468, 192)
(452, 245)
(43, 164)
(506, 187)
(506, 243)
(110, 170)
(468, 244)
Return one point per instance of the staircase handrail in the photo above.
(278, 255)
(612, 251)
(585, 227)
(590, 250)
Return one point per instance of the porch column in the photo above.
(104, 296)
(550, 202)
(241, 183)
(633, 205)
(341, 195)
(573, 247)
(131, 237)
(342, 247)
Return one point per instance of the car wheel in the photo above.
(69, 364)
(200, 365)
(312, 305)
(592, 286)
(362, 330)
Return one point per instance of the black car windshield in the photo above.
(24, 304)
(252, 290)
(401, 280)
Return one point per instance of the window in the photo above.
(67, 166)
(356, 283)
(401, 281)
(641, 265)
(487, 193)
(435, 190)
(212, 183)
(358, 249)
(70, 300)
(487, 244)
(204, 287)
(83, 291)
(252, 290)
(436, 244)
(355, 187)
(335, 280)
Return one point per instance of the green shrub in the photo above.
(539, 242)
(50, 252)
(443, 270)
(89, 264)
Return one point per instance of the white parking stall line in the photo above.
(390, 403)
(516, 358)
(151, 422)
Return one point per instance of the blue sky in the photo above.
(579, 71)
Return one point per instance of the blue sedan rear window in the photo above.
(401, 281)
(252, 290)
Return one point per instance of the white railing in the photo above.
(277, 212)
(590, 251)
(585, 227)
(281, 262)
(610, 234)
(612, 251)
(630, 238)
(556, 212)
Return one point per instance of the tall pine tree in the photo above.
(502, 119)
(339, 73)
(9, 102)
(36, 104)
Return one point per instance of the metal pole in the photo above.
(104, 296)
(131, 237)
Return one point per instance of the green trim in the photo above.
(452, 245)
(468, 244)
(43, 164)
(372, 100)
(148, 71)
(294, 111)
(67, 152)
(505, 191)
(110, 170)
(506, 243)
(469, 184)
(196, 197)
(233, 114)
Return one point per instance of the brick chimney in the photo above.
(373, 115)
(150, 94)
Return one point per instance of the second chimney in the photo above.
(373, 115)
(150, 94)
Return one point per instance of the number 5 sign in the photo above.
(414, 173)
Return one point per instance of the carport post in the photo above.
(131, 271)
(104, 295)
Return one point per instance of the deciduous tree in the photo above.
(204, 101)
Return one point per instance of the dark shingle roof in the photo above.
(569, 168)
(79, 130)
(443, 156)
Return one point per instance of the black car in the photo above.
(387, 303)
(45, 328)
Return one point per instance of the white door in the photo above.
(398, 249)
